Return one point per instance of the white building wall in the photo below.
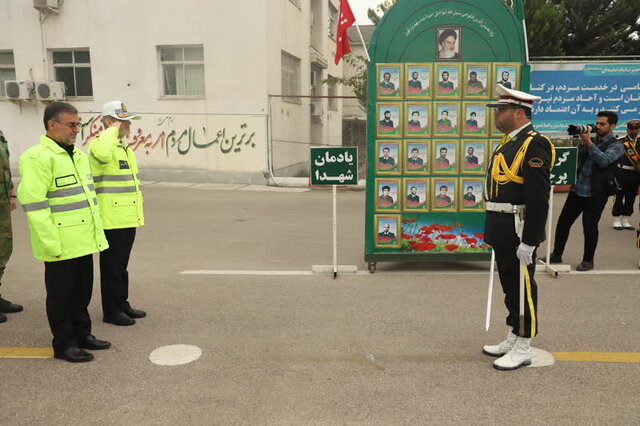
(223, 136)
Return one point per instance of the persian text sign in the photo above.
(574, 93)
(564, 170)
(334, 166)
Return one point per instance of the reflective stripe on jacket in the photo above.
(115, 172)
(58, 196)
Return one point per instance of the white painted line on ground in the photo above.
(175, 354)
(381, 272)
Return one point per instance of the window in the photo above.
(7, 70)
(182, 70)
(332, 92)
(73, 67)
(333, 20)
(290, 76)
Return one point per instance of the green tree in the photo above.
(601, 28)
(545, 27)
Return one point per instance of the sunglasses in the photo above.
(636, 127)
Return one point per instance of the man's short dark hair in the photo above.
(444, 187)
(387, 112)
(469, 188)
(415, 149)
(447, 33)
(444, 148)
(54, 110)
(612, 117)
(387, 187)
(473, 73)
(473, 113)
(386, 148)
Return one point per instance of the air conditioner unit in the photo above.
(316, 109)
(47, 5)
(51, 91)
(314, 79)
(19, 90)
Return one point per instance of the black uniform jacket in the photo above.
(533, 193)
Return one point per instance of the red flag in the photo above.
(345, 20)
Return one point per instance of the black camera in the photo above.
(581, 129)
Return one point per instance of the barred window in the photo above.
(290, 76)
(7, 69)
(333, 20)
(73, 67)
(182, 70)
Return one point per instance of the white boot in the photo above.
(502, 347)
(617, 222)
(518, 356)
(625, 223)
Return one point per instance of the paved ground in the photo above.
(400, 346)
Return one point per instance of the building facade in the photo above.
(225, 88)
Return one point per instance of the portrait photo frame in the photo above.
(446, 119)
(448, 43)
(474, 120)
(388, 195)
(471, 200)
(415, 200)
(479, 85)
(389, 163)
(417, 121)
(392, 128)
(443, 200)
(473, 156)
(418, 86)
(390, 80)
(416, 163)
(446, 81)
(444, 157)
(392, 240)
(513, 71)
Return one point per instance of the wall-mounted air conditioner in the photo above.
(314, 79)
(47, 5)
(316, 108)
(51, 91)
(19, 90)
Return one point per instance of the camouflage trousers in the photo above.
(6, 236)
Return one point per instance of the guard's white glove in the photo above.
(525, 253)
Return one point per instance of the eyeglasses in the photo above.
(632, 127)
(71, 125)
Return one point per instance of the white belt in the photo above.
(504, 207)
(622, 166)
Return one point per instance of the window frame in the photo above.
(12, 66)
(331, 21)
(73, 65)
(287, 97)
(184, 63)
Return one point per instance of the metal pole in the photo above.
(364, 46)
(490, 293)
(522, 266)
(549, 217)
(335, 234)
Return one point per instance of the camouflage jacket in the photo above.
(5, 175)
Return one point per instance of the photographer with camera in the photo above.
(597, 158)
(628, 174)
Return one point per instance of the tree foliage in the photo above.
(545, 27)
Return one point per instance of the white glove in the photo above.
(525, 253)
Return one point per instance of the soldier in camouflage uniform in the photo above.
(7, 203)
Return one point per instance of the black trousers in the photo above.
(509, 272)
(629, 181)
(591, 209)
(114, 278)
(69, 285)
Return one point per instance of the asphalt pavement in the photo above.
(227, 268)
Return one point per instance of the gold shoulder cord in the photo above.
(502, 174)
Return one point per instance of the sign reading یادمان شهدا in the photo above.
(564, 169)
(334, 166)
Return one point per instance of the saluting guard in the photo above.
(517, 200)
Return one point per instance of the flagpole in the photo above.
(364, 46)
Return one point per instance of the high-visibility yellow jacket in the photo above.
(115, 171)
(57, 194)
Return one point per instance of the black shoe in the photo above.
(119, 319)
(584, 266)
(552, 259)
(3, 317)
(8, 307)
(134, 313)
(74, 354)
(90, 342)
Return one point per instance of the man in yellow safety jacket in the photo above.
(57, 194)
(115, 171)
